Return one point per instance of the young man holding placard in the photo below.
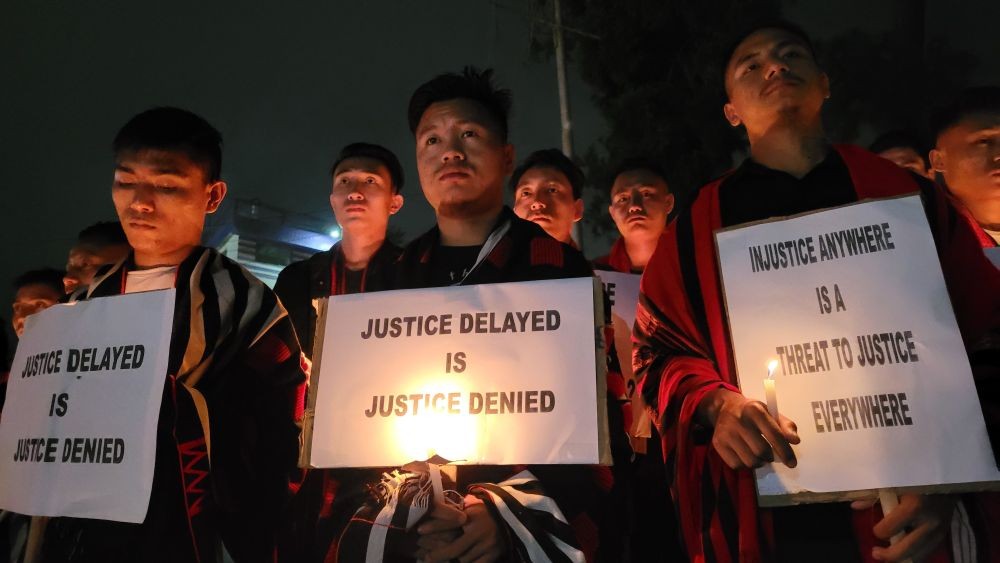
(640, 203)
(463, 158)
(235, 382)
(367, 179)
(712, 435)
(967, 156)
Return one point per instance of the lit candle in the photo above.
(771, 398)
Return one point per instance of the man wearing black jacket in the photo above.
(365, 193)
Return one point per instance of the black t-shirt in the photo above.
(820, 532)
(352, 280)
(755, 192)
(449, 264)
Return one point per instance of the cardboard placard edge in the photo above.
(601, 372)
(312, 389)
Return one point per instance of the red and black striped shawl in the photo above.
(228, 433)
(682, 352)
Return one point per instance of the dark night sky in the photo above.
(287, 84)
(286, 87)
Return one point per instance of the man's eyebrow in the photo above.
(423, 130)
(168, 171)
(746, 58)
(790, 41)
(159, 171)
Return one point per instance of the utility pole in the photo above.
(567, 125)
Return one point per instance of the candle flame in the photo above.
(771, 366)
(452, 436)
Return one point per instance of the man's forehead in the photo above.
(765, 39)
(538, 174)
(637, 178)
(362, 164)
(976, 122)
(158, 161)
(36, 291)
(457, 109)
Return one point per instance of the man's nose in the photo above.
(775, 66)
(142, 199)
(635, 203)
(453, 151)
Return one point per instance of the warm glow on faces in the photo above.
(968, 156)
(462, 160)
(84, 262)
(362, 197)
(29, 300)
(640, 204)
(907, 158)
(161, 198)
(772, 77)
(545, 196)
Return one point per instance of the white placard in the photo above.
(483, 374)
(78, 435)
(872, 367)
(623, 291)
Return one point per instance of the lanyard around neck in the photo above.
(488, 247)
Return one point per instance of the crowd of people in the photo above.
(240, 352)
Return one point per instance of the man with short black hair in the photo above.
(712, 435)
(99, 244)
(366, 181)
(459, 122)
(234, 375)
(548, 190)
(641, 203)
(365, 189)
(967, 156)
(904, 150)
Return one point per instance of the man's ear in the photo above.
(731, 116)
(937, 160)
(670, 203)
(824, 82)
(396, 205)
(508, 159)
(577, 210)
(216, 193)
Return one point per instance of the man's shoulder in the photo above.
(210, 263)
(532, 244)
(302, 268)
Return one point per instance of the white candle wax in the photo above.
(771, 398)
